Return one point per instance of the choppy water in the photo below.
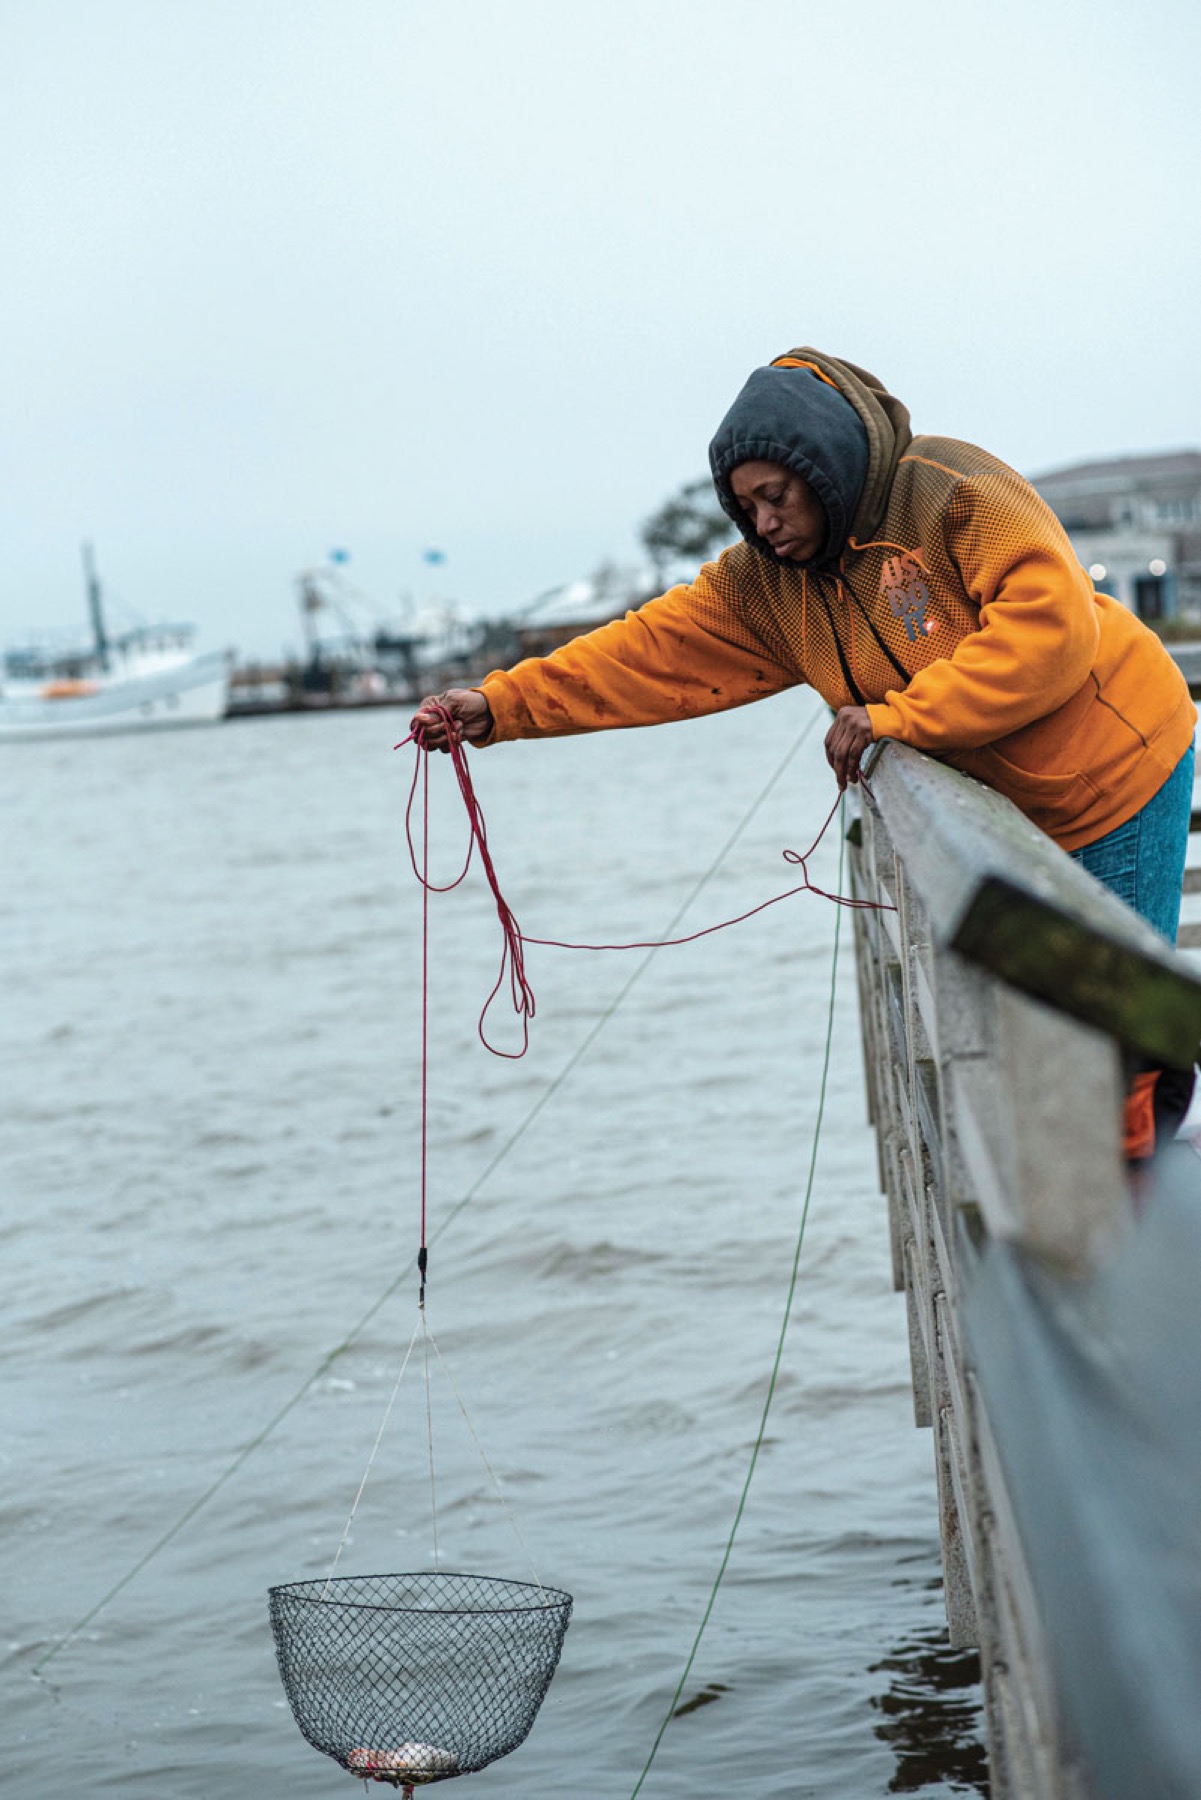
(210, 1156)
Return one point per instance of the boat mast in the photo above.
(94, 606)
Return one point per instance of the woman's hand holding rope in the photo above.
(436, 717)
(846, 740)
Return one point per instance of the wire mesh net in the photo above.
(415, 1678)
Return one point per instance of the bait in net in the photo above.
(408, 1679)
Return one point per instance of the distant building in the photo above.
(567, 612)
(1135, 523)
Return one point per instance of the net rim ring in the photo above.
(550, 1599)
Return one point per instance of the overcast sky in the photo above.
(285, 276)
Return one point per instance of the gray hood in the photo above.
(833, 424)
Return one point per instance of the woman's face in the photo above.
(782, 507)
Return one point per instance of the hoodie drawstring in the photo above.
(853, 688)
(845, 588)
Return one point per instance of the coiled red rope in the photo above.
(512, 962)
(512, 965)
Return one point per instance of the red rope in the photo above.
(425, 1002)
(512, 962)
(806, 887)
(512, 966)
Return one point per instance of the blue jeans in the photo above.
(1143, 860)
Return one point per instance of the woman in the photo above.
(929, 594)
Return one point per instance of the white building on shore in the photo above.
(1135, 522)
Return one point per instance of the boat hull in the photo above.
(194, 693)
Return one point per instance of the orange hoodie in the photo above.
(957, 612)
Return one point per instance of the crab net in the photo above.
(415, 1678)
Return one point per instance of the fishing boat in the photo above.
(147, 678)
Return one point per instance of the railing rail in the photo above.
(1001, 1003)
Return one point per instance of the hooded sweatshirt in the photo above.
(946, 598)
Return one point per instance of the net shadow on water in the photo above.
(931, 1716)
